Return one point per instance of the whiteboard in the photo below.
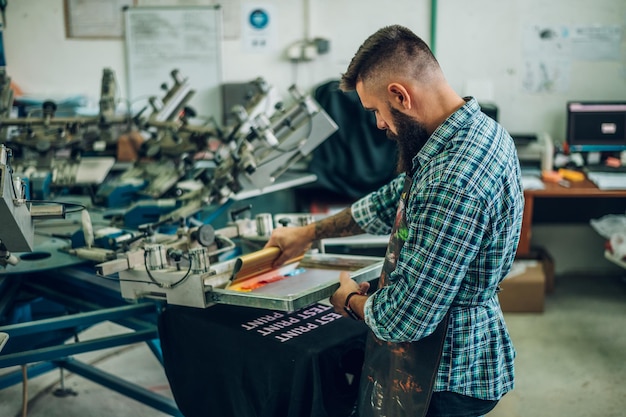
(162, 39)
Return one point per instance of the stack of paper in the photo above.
(608, 180)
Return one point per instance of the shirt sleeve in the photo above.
(445, 228)
(376, 212)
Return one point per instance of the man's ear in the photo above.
(399, 95)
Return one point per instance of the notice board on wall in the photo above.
(160, 40)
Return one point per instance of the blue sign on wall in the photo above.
(259, 19)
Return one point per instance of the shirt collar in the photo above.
(440, 137)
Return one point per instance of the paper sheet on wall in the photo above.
(596, 43)
(95, 18)
(231, 27)
(550, 49)
(547, 59)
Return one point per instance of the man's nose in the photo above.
(381, 124)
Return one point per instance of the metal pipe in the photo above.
(307, 23)
(56, 352)
(433, 26)
(78, 319)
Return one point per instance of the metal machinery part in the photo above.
(53, 146)
(50, 132)
(171, 141)
(17, 232)
(255, 157)
(39, 345)
(171, 133)
(173, 102)
(86, 298)
(6, 96)
(270, 146)
(3, 339)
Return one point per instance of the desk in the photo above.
(584, 189)
(232, 361)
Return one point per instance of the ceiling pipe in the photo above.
(433, 26)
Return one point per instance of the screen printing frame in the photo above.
(318, 282)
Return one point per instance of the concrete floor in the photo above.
(571, 362)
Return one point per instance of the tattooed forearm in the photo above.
(340, 225)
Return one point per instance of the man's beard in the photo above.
(411, 137)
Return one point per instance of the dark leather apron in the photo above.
(398, 378)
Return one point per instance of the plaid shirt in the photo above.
(464, 215)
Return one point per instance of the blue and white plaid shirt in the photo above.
(464, 215)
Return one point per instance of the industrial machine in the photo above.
(164, 249)
(256, 156)
(170, 145)
(183, 170)
(64, 151)
(188, 269)
(17, 232)
(187, 167)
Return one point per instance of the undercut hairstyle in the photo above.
(391, 50)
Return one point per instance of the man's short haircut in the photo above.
(391, 50)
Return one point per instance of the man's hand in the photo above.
(346, 286)
(292, 242)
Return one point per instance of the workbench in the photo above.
(575, 192)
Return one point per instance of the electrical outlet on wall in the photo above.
(307, 50)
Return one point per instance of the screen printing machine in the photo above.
(88, 238)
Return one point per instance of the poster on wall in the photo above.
(258, 28)
(95, 18)
(231, 26)
(549, 51)
(597, 43)
(547, 59)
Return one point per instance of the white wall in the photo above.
(41, 61)
(483, 41)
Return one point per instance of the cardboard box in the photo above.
(548, 265)
(524, 288)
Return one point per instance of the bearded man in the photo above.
(438, 344)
